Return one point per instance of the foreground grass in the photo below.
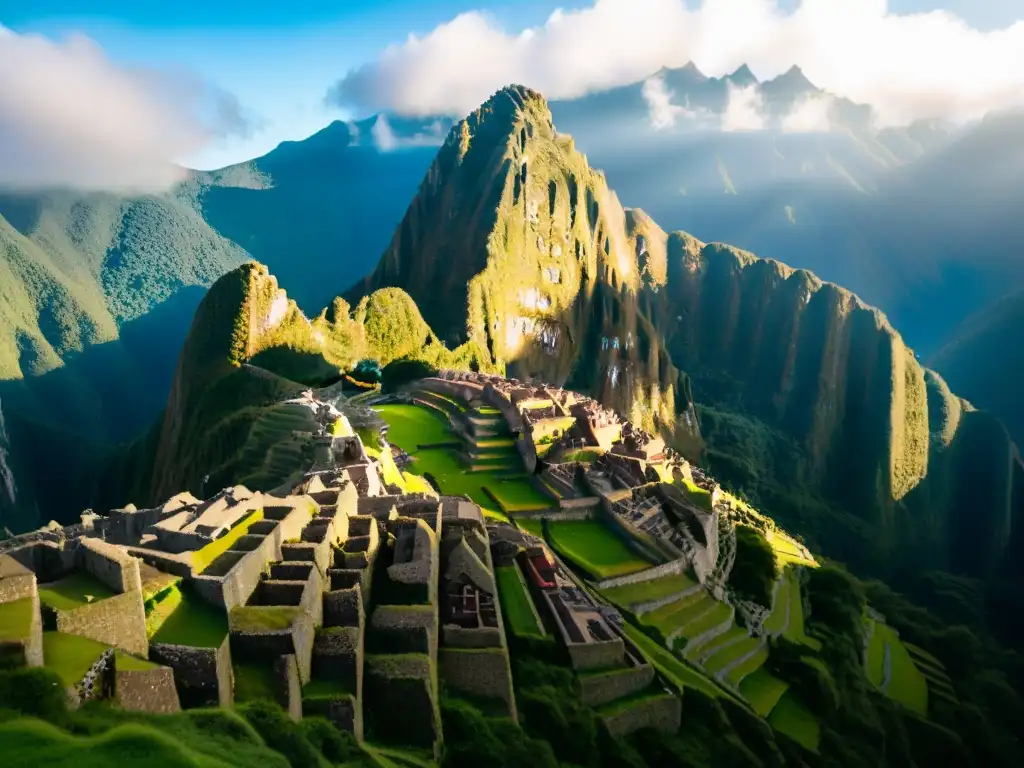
(595, 548)
(516, 602)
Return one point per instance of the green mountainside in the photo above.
(558, 281)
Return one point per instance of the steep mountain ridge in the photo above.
(557, 280)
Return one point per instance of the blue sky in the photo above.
(280, 58)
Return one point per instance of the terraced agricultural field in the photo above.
(671, 617)
(792, 718)
(646, 591)
(730, 654)
(515, 600)
(595, 548)
(410, 426)
(763, 690)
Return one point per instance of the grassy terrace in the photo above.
(73, 591)
(678, 672)
(202, 558)
(183, 618)
(516, 602)
(875, 668)
(670, 617)
(791, 718)
(410, 426)
(645, 591)
(258, 618)
(16, 619)
(70, 656)
(763, 690)
(795, 630)
(727, 654)
(595, 548)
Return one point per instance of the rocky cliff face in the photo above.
(515, 243)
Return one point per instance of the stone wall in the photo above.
(48, 560)
(596, 655)
(97, 683)
(583, 502)
(342, 710)
(561, 514)
(288, 687)
(666, 569)
(236, 586)
(337, 655)
(202, 676)
(647, 546)
(403, 629)
(598, 689)
(146, 690)
(108, 563)
(482, 672)
(662, 713)
(454, 636)
(399, 700)
(119, 621)
(16, 581)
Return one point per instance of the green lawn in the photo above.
(16, 619)
(410, 426)
(184, 618)
(791, 718)
(517, 603)
(73, 591)
(70, 656)
(645, 591)
(519, 495)
(595, 548)
(763, 690)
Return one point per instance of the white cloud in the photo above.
(907, 66)
(661, 109)
(69, 117)
(385, 139)
(382, 134)
(810, 114)
(744, 110)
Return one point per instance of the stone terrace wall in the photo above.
(236, 586)
(596, 655)
(49, 560)
(674, 567)
(596, 690)
(18, 583)
(108, 563)
(202, 676)
(454, 636)
(119, 621)
(146, 690)
(663, 713)
(482, 672)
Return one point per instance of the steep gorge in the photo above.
(514, 242)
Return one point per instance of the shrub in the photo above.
(399, 372)
(35, 692)
(281, 733)
(754, 572)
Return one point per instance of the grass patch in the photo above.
(323, 688)
(70, 656)
(697, 495)
(256, 618)
(410, 426)
(796, 630)
(519, 496)
(791, 718)
(595, 548)
(202, 558)
(701, 623)
(747, 667)
(254, 682)
(125, 662)
(16, 619)
(875, 662)
(645, 591)
(532, 525)
(515, 601)
(728, 654)
(74, 591)
(629, 702)
(184, 618)
(763, 690)
(775, 624)
(584, 455)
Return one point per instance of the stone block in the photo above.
(146, 690)
(203, 676)
(484, 673)
(119, 621)
(343, 608)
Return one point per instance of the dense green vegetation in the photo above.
(37, 727)
(753, 575)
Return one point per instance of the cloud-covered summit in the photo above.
(70, 117)
(908, 67)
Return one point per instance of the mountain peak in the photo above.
(795, 78)
(691, 69)
(743, 76)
